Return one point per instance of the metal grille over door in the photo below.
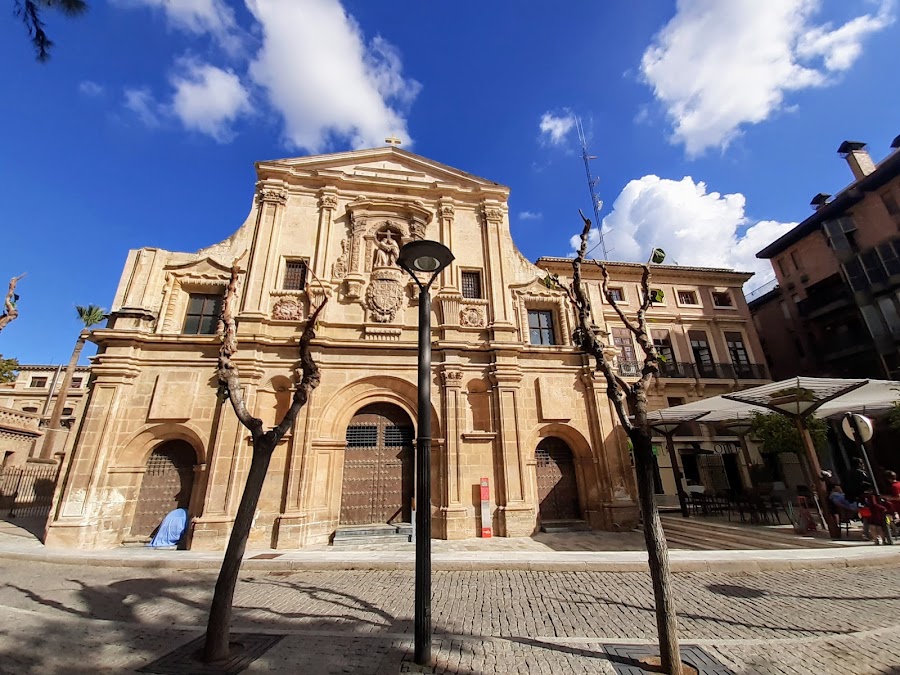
(378, 467)
(166, 485)
(556, 481)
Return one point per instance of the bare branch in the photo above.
(311, 376)
(10, 313)
(645, 340)
(227, 371)
(612, 301)
(585, 334)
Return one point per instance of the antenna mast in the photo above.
(595, 200)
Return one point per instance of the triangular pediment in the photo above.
(538, 287)
(388, 165)
(205, 267)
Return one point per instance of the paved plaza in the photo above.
(80, 619)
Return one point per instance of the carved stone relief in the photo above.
(288, 309)
(384, 295)
(340, 267)
(472, 317)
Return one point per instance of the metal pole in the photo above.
(423, 488)
(679, 488)
(861, 446)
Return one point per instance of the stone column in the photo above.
(81, 502)
(446, 212)
(453, 515)
(327, 204)
(291, 524)
(494, 233)
(262, 263)
(516, 513)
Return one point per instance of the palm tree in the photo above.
(89, 316)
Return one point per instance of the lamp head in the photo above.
(424, 256)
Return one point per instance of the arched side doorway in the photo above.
(377, 486)
(167, 483)
(556, 481)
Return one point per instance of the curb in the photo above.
(736, 562)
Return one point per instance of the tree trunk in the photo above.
(218, 629)
(56, 416)
(657, 553)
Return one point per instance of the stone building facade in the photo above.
(26, 404)
(834, 310)
(512, 400)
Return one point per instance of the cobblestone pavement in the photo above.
(59, 618)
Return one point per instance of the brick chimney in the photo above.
(857, 157)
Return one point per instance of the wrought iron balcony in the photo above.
(674, 369)
(750, 371)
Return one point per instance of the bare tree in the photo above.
(630, 403)
(218, 629)
(10, 312)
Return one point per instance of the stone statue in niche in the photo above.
(387, 251)
(339, 269)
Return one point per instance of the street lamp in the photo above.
(424, 257)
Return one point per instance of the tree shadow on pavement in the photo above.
(740, 591)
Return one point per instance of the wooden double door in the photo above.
(556, 481)
(377, 486)
(166, 485)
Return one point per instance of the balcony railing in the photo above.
(718, 371)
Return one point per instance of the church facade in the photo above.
(513, 402)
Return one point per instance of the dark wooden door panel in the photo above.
(556, 481)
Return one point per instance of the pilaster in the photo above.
(495, 269)
(271, 199)
(328, 202)
(452, 515)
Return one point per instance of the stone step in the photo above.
(372, 534)
(555, 526)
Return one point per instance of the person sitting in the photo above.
(839, 500)
(171, 530)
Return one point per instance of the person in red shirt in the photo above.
(893, 484)
(877, 511)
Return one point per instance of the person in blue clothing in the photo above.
(171, 530)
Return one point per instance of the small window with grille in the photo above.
(471, 285)
(617, 293)
(396, 437)
(202, 316)
(362, 436)
(295, 275)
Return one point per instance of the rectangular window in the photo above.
(702, 353)
(687, 298)
(622, 340)
(781, 267)
(841, 233)
(38, 382)
(888, 253)
(738, 353)
(722, 299)
(540, 327)
(471, 285)
(76, 383)
(672, 401)
(795, 260)
(295, 275)
(873, 266)
(67, 412)
(202, 316)
(617, 293)
(856, 277)
(663, 345)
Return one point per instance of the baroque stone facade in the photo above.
(512, 400)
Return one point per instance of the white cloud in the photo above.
(323, 78)
(141, 103)
(208, 99)
(196, 16)
(554, 128)
(89, 88)
(717, 66)
(693, 226)
(530, 215)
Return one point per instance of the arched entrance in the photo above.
(556, 481)
(378, 467)
(166, 485)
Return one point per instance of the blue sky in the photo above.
(714, 122)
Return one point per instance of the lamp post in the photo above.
(424, 257)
